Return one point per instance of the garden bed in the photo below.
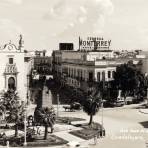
(33, 142)
(67, 120)
(89, 132)
(52, 140)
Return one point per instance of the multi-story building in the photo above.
(42, 63)
(82, 69)
(145, 62)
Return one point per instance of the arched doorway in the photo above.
(11, 83)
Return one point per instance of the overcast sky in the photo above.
(45, 23)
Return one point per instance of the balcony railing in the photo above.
(11, 68)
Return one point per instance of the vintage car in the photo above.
(73, 106)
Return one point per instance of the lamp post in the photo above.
(25, 126)
(102, 120)
(28, 90)
(57, 105)
(147, 96)
(103, 80)
(146, 84)
(25, 119)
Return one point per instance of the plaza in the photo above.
(122, 129)
(47, 81)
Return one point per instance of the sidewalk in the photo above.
(69, 137)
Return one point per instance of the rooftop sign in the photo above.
(93, 43)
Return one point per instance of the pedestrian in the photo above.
(7, 144)
(95, 139)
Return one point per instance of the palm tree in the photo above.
(46, 117)
(91, 107)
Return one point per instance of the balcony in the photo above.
(11, 69)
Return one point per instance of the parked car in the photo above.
(73, 106)
(129, 100)
(76, 105)
(120, 102)
(117, 103)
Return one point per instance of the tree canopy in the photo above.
(15, 110)
(128, 78)
(91, 107)
(46, 117)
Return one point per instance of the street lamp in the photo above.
(147, 90)
(28, 89)
(146, 84)
(57, 105)
(103, 80)
(102, 122)
(25, 108)
(25, 126)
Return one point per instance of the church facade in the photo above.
(13, 73)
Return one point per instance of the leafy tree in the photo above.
(16, 115)
(129, 79)
(46, 117)
(14, 108)
(91, 107)
(2, 111)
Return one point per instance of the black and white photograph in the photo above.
(74, 73)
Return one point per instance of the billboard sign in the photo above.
(93, 43)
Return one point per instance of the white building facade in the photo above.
(79, 68)
(13, 69)
(82, 69)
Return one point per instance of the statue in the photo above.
(21, 42)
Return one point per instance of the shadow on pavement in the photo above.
(144, 124)
(141, 106)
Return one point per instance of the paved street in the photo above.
(125, 127)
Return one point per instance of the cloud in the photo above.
(9, 29)
(81, 16)
(17, 2)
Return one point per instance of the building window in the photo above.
(98, 76)
(113, 74)
(109, 74)
(10, 60)
(90, 76)
(103, 76)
